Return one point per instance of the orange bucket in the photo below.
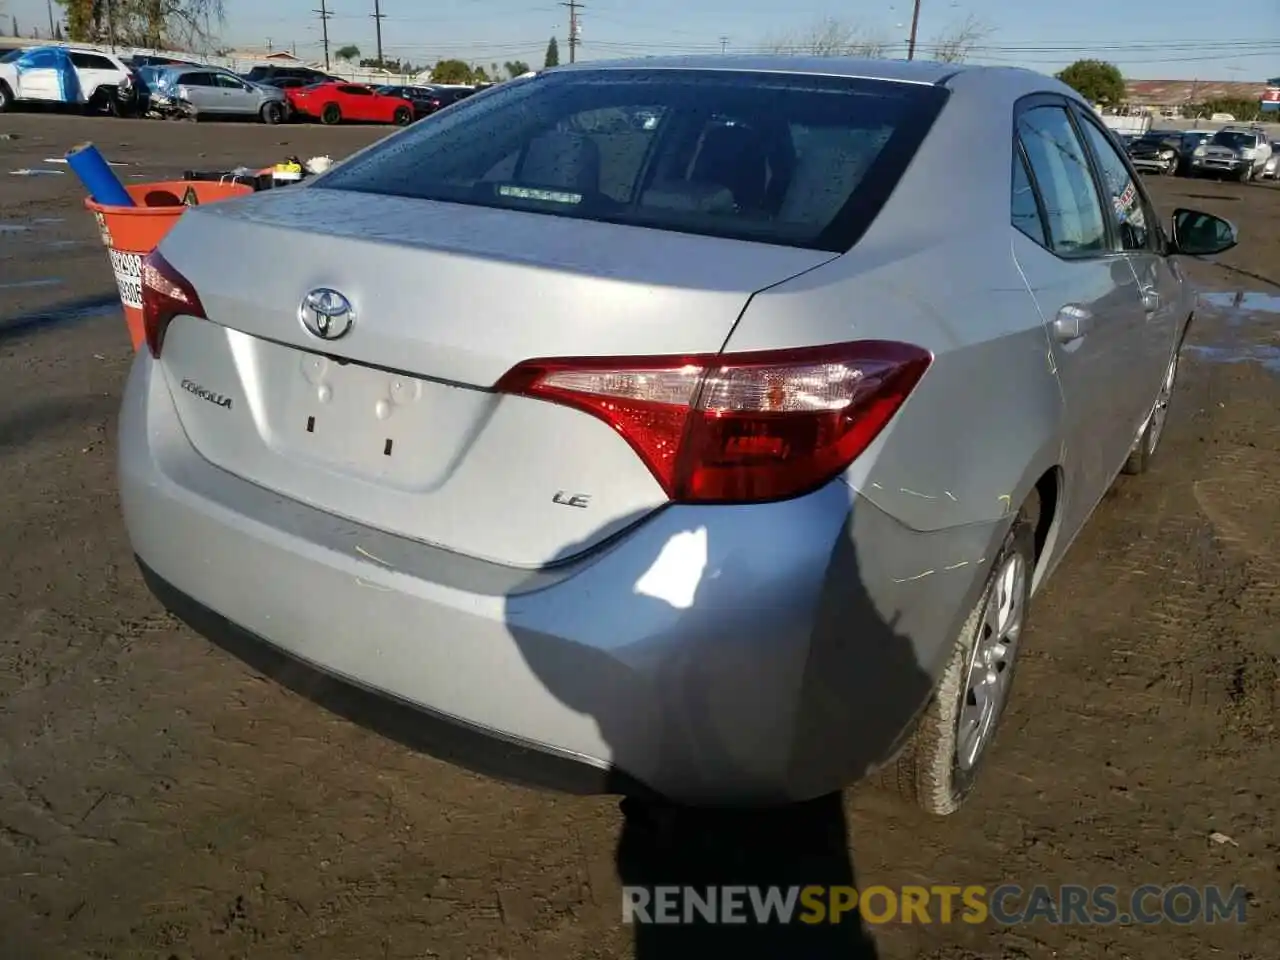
(130, 233)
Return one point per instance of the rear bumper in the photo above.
(711, 655)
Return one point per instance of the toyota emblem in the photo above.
(326, 314)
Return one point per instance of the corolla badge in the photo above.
(326, 314)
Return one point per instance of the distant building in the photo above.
(281, 57)
(1171, 95)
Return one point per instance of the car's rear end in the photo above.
(468, 437)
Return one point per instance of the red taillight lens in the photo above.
(165, 294)
(738, 428)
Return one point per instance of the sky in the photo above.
(1176, 39)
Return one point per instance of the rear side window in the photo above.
(90, 61)
(795, 160)
(1076, 224)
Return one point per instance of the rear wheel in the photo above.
(331, 114)
(402, 117)
(1171, 167)
(6, 97)
(938, 767)
(272, 112)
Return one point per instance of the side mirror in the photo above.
(1197, 234)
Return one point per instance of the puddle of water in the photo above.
(1266, 354)
(26, 284)
(13, 228)
(1250, 301)
(87, 309)
(67, 244)
(49, 220)
(36, 173)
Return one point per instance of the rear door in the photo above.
(95, 70)
(1143, 241)
(237, 98)
(200, 91)
(1087, 294)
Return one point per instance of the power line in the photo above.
(574, 6)
(325, 16)
(378, 17)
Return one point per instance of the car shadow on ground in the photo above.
(853, 672)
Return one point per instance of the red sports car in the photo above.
(338, 102)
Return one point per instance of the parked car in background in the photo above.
(212, 93)
(58, 74)
(285, 83)
(1235, 152)
(350, 102)
(425, 99)
(1159, 151)
(270, 74)
(687, 456)
(1271, 169)
(151, 60)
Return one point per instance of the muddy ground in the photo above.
(159, 800)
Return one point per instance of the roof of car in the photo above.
(906, 71)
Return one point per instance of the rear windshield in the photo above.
(802, 161)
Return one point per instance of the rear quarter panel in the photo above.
(936, 269)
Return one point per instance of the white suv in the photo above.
(41, 74)
(1238, 152)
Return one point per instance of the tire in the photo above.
(272, 113)
(330, 114)
(938, 767)
(1144, 450)
(402, 117)
(1171, 168)
(6, 97)
(1246, 174)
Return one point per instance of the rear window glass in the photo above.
(795, 160)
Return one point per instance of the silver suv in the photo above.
(1238, 152)
(210, 92)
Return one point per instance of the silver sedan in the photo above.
(698, 427)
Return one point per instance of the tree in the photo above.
(145, 23)
(57, 31)
(958, 44)
(349, 53)
(552, 59)
(830, 37)
(478, 75)
(515, 68)
(451, 71)
(1095, 80)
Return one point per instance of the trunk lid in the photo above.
(394, 424)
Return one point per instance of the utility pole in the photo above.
(574, 34)
(111, 24)
(51, 30)
(915, 26)
(378, 17)
(724, 44)
(324, 15)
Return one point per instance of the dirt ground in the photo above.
(158, 800)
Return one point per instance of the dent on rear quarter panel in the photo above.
(985, 421)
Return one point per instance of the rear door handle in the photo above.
(1072, 322)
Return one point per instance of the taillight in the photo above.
(737, 428)
(165, 294)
